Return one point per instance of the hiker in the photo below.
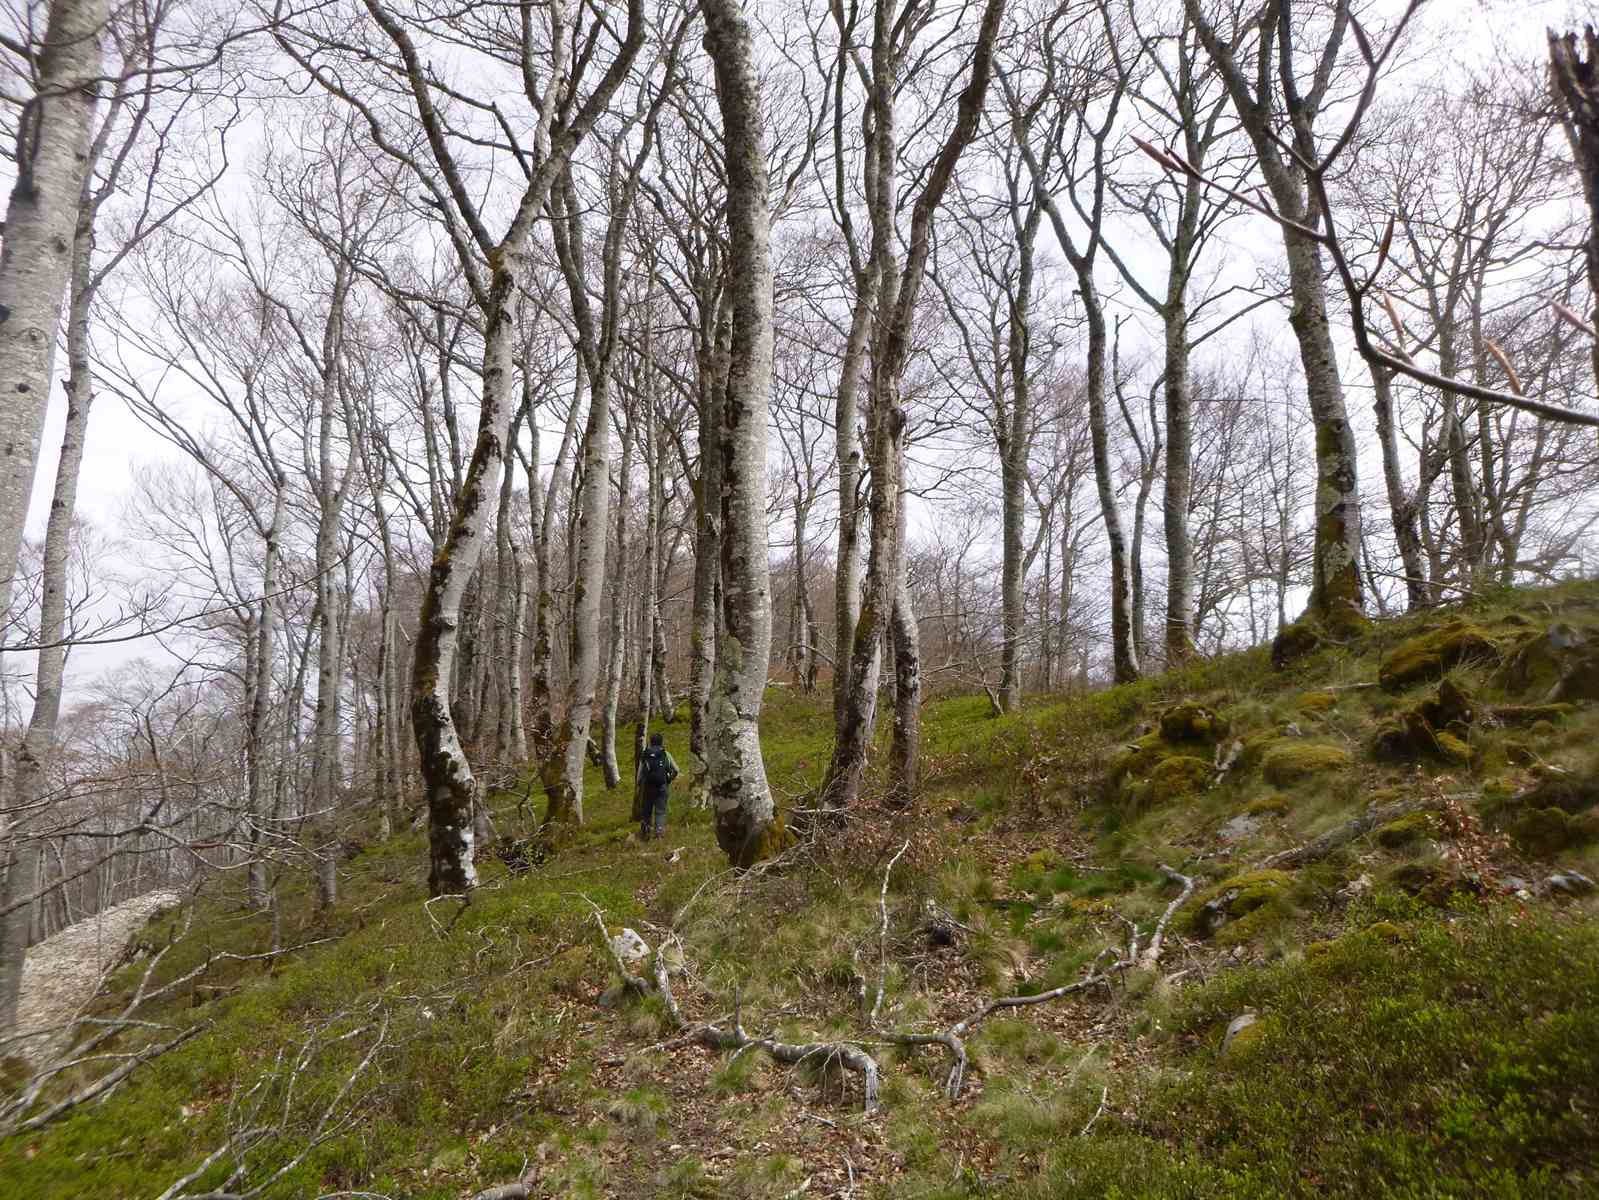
(656, 770)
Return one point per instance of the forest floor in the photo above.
(1424, 993)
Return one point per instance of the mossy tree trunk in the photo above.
(563, 123)
(748, 826)
(1263, 93)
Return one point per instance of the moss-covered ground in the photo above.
(1428, 1010)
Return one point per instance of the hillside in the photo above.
(1425, 992)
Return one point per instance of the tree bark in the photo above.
(1401, 508)
(748, 826)
(38, 744)
(36, 255)
(618, 618)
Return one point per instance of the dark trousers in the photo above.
(654, 813)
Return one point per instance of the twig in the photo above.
(882, 939)
(1099, 1112)
(1152, 953)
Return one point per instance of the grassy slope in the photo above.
(1429, 1044)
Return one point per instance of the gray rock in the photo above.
(1242, 826)
(1237, 1025)
(1570, 883)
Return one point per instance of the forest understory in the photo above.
(1404, 1004)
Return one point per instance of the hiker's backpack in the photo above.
(656, 772)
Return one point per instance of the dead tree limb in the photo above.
(1320, 848)
(1151, 955)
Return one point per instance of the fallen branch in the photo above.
(1104, 1094)
(954, 1038)
(520, 1190)
(882, 937)
(1151, 955)
(1320, 848)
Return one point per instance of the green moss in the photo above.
(1173, 778)
(1430, 654)
(1405, 831)
(1316, 702)
(1231, 899)
(1453, 749)
(1191, 722)
(1547, 831)
(1138, 759)
(1294, 760)
(1294, 641)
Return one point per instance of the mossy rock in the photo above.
(1434, 883)
(1254, 749)
(1268, 806)
(1428, 655)
(1542, 729)
(1138, 759)
(1545, 832)
(1518, 753)
(1454, 750)
(1172, 778)
(1571, 793)
(1232, 899)
(1294, 641)
(1316, 702)
(1436, 727)
(1247, 1042)
(1540, 662)
(1292, 761)
(1193, 722)
(1405, 831)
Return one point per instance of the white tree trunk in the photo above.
(748, 827)
(51, 157)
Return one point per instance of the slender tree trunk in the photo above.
(51, 158)
(1123, 650)
(563, 772)
(618, 621)
(748, 826)
(448, 782)
(1179, 479)
(258, 708)
(1401, 508)
(38, 745)
(1013, 490)
(905, 754)
(847, 571)
(705, 618)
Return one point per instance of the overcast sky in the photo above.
(118, 444)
